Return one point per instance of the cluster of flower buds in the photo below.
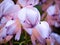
(23, 13)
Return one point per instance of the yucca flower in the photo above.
(24, 3)
(8, 21)
(30, 20)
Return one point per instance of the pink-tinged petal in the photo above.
(8, 38)
(3, 32)
(10, 26)
(4, 5)
(17, 30)
(11, 29)
(3, 20)
(56, 37)
(17, 37)
(28, 30)
(26, 24)
(12, 9)
(7, 4)
(24, 3)
(51, 10)
(43, 29)
(33, 39)
(21, 15)
(38, 36)
(10, 22)
(18, 25)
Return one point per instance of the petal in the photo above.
(21, 15)
(51, 10)
(33, 39)
(7, 4)
(56, 37)
(10, 22)
(38, 13)
(8, 38)
(33, 15)
(11, 29)
(17, 30)
(18, 25)
(3, 20)
(3, 33)
(28, 30)
(38, 36)
(13, 9)
(56, 24)
(4, 6)
(24, 3)
(26, 25)
(43, 29)
(17, 37)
